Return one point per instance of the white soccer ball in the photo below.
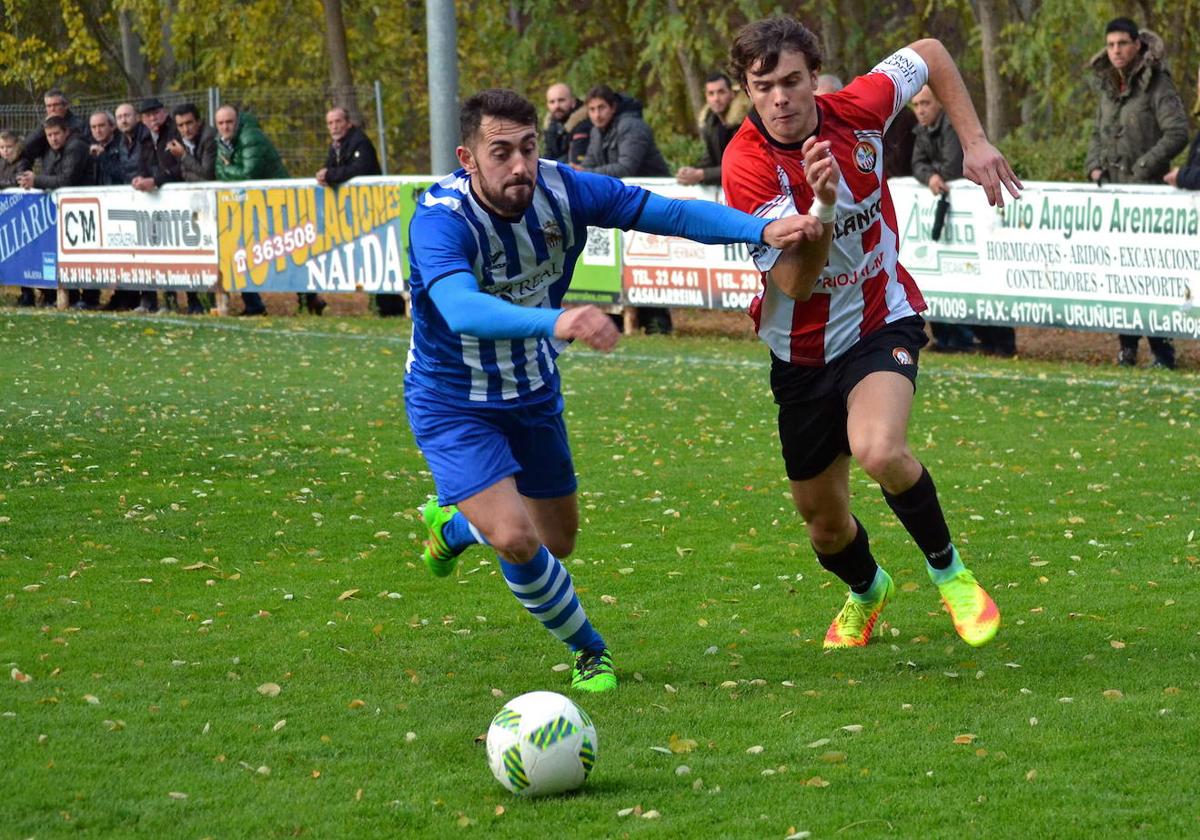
(541, 743)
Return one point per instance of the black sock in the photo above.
(854, 563)
(920, 512)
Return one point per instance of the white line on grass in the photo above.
(230, 325)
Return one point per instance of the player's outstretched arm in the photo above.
(982, 162)
(799, 267)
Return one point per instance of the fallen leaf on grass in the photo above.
(834, 757)
(356, 704)
(348, 594)
(177, 795)
(1114, 694)
(1117, 644)
(853, 728)
(679, 745)
(279, 725)
(966, 738)
(269, 689)
(91, 699)
(820, 742)
(19, 676)
(755, 750)
(815, 781)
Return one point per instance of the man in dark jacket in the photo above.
(57, 105)
(196, 148)
(622, 145)
(351, 154)
(66, 163)
(720, 119)
(156, 166)
(107, 166)
(245, 154)
(1140, 125)
(566, 130)
(129, 135)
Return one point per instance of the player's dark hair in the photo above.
(186, 108)
(718, 76)
(603, 92)
(500, 103)
(57, 122)
(757, 46)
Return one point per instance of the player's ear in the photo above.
(466, 159)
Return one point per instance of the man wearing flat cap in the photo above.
(156, 166)
(1140, 125)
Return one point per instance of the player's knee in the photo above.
(880, 457)
(515, 542)
(830, 534)
(561, 546)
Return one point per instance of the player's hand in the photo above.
(589, 325)
(790, 230)
(25, 180)
(984, 165)
(821, 170)
(1172, 177)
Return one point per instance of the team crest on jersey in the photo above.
(902, 356)
(553, 233)
(865, 156)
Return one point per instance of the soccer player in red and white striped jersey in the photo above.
(840, 314)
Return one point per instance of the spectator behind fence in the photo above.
(156, 166)
(65, 163)
(1187, 177)
(130, 132)
(57, 105)
(245, 154)
(196, 148)
(720, 119)
(566, 129)
(105, 150)
(938, 158)
(622, 145)
(351, 155)
(1140, 126)
(12, 165)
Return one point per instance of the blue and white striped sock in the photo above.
(543, 586)
(460, 534)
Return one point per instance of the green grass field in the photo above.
(192, 511)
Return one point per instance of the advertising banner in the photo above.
(28, 239)
(668, 271)
(1119, 259)
(289, 236)
(118, 237)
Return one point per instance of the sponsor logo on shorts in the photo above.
(902, 356)
(865, 156)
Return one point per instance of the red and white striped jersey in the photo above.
(863, 285)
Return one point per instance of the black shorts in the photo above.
(812, 400)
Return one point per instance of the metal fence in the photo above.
(292, 118)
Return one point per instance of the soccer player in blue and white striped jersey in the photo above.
(492, 250)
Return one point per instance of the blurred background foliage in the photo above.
(1024, 60)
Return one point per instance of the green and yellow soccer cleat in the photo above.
(852, 627)
(439, 557)
(593, 671)
(975, 615)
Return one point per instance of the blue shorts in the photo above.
(470, 448)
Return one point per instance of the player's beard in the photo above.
(504, 200)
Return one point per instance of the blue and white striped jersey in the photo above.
(528, 262)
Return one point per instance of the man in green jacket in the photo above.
(1140, 125)
(245, 154)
